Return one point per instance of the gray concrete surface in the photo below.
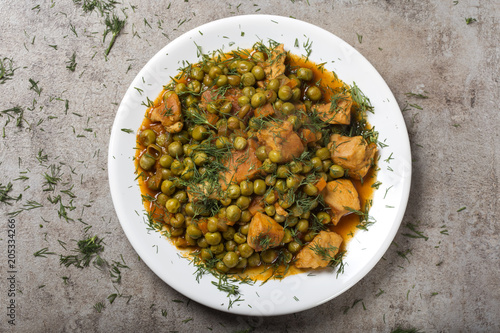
(447, 283)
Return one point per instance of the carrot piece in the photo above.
(321, 184)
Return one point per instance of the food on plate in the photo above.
(254, 157)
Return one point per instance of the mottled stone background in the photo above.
(449, 282)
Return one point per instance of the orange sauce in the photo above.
(346, 227)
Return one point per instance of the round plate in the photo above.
(297, 292)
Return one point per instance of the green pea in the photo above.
(212, 224)
(310, 190)
(336, 171)
(208, 81)
(233, 213)
(313, 93)
(258, 100)
(166, 161)
(244, 110)
(309, 236)
(230, 259)
(173, 205)
(244, 229)
(274, 85)
(271, 96)
(261, 153)
(287, 108)
(292, 182)
(246, 188)
(177, 221)
(213, 238)
(240, 143)
(287, 238)
(243, 202)
(268, 166)
(147, 162)
(254, 260)
(306, 215)
(221, 80)
(271, 180)
(206, 254)
(197, 73)
(283, 171)
(177, 168)
(200, 159)
(180, 88)
(175, 149)
(233, 80)
(189, 209)
(233, 191)
(323, 153)
(248, 79)
(324, 217)
(275, 156)
(242, 263)
(271, 198)
(296, 210)
(281, 185)
(163, 140)
(199, 133)
(214, 72)
(152, 184)
(258, 73)
(222, 142)
(147, 137)
(201, 242)
(245, 250)
(239, 238)
(243, 100)
(193, 231)
(217, 249)
(176, 232)
(292, 221)
(269, 256)
(168, 187)
(305, 74)
(302, 226)
(316, 163)
(246, 216)
(259, 56)
(294, 247)
(296, 94)
(244, 66)
(285, 93)
(248, 91)
(279, 218)
(161, 199)
(326, 165)
(221, 267)
(194, 86)
(259, 187)
(270, 210)
(226, 108)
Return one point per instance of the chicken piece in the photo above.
(353, 154)
(214, 95)
(169, 114)
(241, 165)
(256, 205)
(264, 232)
(275, 65)
(264, 110)
(338, 111)
(339, 195)
(202, 191)
(320, 251)
(308, 136)
(281, 137)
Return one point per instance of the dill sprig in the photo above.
(43, 253)
(6, 70)
(72, 62)
(88, 251)
(5, 197)
(100, 6)
(114, 26)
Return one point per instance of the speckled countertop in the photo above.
(58, 126)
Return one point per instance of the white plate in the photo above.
(294, 293)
